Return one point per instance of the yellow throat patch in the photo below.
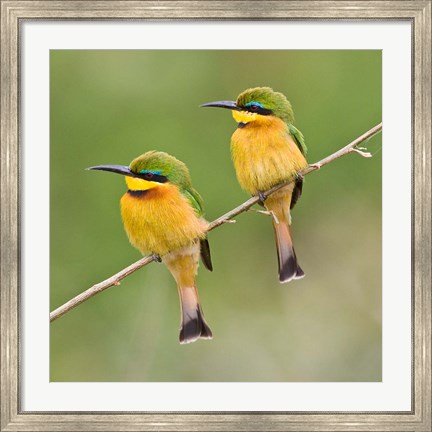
(244, 116)
(137, 184)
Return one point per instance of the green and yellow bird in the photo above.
(163, 215)
(267, 150)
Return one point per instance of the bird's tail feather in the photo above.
(193, 324)
(183, 266)
(289, 268)
(279, 205)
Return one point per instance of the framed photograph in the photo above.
(125, 86)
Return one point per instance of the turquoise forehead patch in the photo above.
(150, 171)
(254, 103)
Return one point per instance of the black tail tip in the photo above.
(290, 270)
(194, 329)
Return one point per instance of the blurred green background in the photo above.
(107, 107)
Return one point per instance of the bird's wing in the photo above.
(298, 138)
(297, 191)
(194, 199)
(205, 254)
(196, 202)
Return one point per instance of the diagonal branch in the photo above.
(227, 217)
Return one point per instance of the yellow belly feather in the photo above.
(161, 220)
(264, 154)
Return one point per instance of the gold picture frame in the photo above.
(418, 13)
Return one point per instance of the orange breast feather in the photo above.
(264, 154)
(161, 220)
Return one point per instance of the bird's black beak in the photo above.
(223, 104)
(119, 169)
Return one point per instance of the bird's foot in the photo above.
(262, 197)
(267, 213)
(299, 177)
(361, 151)
(316, 166)
(157, 258)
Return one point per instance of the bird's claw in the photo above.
(157, 258)
(262, 197)
(300, 176)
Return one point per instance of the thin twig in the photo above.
(227, 217)
(101, 286)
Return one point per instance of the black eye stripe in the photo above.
(258, 110)
(152, 177)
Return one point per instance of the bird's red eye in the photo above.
(254, 107)
(148, 175)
